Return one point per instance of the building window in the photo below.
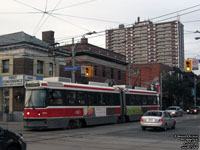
(5, 68)
(119, 75)
(95, 70)
(136, 71)
(50, 69)
(40, 65)
(104, 71)
(112, 73)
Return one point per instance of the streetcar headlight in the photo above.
(28, 113)
(195, 110)
(39, 114)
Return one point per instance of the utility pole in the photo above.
(161, 102)
(195, 102)
(52, 53)
(73, 61)
(129, 74)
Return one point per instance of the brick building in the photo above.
(109, 67)
(146, 75)
(24, 57)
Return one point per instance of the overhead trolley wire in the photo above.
(73, 5)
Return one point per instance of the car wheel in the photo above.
(143, 128)
(13, 148)
(174, 125)
(165, 127)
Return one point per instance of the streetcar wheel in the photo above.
(79, 124)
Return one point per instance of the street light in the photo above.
(74, 53)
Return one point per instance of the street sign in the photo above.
(72, 68)
(195, 64)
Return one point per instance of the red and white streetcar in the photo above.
(51, 105)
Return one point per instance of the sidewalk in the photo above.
(14, 126)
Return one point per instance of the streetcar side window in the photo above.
(144, 100)
(137, 100)
(56, 97)
(133, 99)
(81, 98)
(155, 101)
(103, 99)
(106, 99)
(116, 99)
(71, 97)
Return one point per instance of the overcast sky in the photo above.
(72, 18)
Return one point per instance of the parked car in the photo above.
(175, 111)
(157, 119)
(11, 140)
(193, 110)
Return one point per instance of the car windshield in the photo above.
(194, 107)
(153, 113)
(35, 98)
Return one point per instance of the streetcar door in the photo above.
(122, 102)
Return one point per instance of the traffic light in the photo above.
(89, 71)
(188, 65)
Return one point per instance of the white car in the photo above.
(157, 119)
(175, 111)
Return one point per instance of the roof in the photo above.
(20, 37)
(97, 55)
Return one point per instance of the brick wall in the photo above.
(146, 74)
(23, 66)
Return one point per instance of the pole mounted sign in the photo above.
(72, 68)
(195, 64)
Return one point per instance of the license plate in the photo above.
(150, 120)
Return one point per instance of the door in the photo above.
(167, 118)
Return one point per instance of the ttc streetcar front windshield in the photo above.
(35, 98)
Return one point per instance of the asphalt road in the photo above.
(127, 136)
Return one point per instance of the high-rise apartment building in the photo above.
(147, 42)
